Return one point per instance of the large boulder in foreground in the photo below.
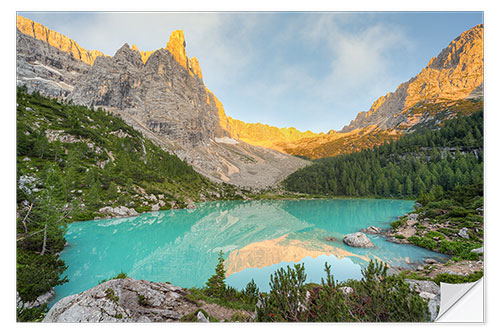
(123, 300)
(358, 239)
(131, 300)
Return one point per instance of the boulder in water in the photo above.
(358, 239)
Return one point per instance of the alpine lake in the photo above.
(256, 237)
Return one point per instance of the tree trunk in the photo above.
(24, 220)
(44, 240)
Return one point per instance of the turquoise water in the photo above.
(256, 237)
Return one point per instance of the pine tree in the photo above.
(216, 285)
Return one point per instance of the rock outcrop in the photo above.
(161, 93)
(358, 239)
(131, 300)
(44, 68)
(123, 300)
(170, 104)
(456, 73)
(120, 211)
(372, 230)
(56, 40)
(429, 291)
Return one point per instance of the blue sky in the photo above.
(311, 71)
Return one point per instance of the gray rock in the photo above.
(120, 211)
(371, 230)
(464, 233)
(413, 216)
(346, 290)
(119, 301)
(44, 68)
(430, 261)
(357, 239)
(478, 250)
(397, 240)
(423, 286)
(201, 317)
(429, 291)
(433, 305)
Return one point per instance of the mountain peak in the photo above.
(57, 40)
(453, 75)
(177, 47)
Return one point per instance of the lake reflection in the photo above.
(256, 237)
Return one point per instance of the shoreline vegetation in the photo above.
(73, 161)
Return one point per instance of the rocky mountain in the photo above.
(161, 93)
(266, 136)
(47, 61)
(454, 75)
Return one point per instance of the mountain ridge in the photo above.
(162, 94)
(456, 73)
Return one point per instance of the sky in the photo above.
(309, 70)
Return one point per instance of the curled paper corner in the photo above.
(462, 302)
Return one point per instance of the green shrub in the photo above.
(251, 292)
(460, 248)
(287, 296)
(396, 224)
(121, 275)
(110, 294)
(376, 298)
(442, 204)
(458, 212)
(382, 298)
(31, 315)
(452, 278)
(423, 242)
(432, 234)
(239, 317)
(142, 300)
(37, 274)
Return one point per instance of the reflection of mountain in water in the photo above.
(284, 248)
(181, 246)
(311, 242)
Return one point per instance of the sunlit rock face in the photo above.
(57, 40)
(453, 75)
(42, 67)
(161, 93)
